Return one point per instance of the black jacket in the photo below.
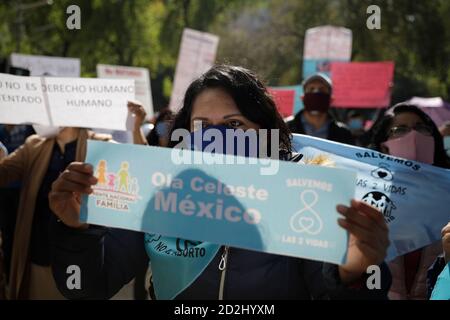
(110, 258)
(337, 131)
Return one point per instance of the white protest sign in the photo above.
(47, 66)
(197, 54)
(89, 103)
(328, 42)
(140, 75)
(22, 100)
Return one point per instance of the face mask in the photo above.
(317, 101)
(355, 124)
(47, 131)
(162, 129)
(412, 146)
(447, 145)
(229, 141)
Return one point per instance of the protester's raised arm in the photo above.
(139, 116)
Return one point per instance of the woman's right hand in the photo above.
(65, 196)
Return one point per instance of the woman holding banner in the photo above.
(406, 131)
(37, 163)
(224, 97)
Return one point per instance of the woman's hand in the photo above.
(368, 242)
(446, 242)
(65, 196)
(139, 113)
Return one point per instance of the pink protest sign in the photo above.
(362, 84)
(284, 100)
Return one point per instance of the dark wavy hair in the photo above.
(382, 127)
(248, 92)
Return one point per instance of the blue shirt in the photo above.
(16, 137)
(322, 132)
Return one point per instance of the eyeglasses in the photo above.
(400, 131)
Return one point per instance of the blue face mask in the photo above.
(162, 129)
(229, 141)
(355, 124)
(447, 145)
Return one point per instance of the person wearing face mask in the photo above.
(316, 120)
(407, 132)
(445, 132)
(37, 164)
(355, 123)
(159, 135)
(225, 97)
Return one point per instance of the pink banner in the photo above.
(284, 100)
(362, 84)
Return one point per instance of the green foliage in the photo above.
(264, 35)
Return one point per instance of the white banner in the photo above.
(65, 102)
(140, 75)
(328, 42)
(197, 54)
(89, 103)
(47, 66)
(22, 100)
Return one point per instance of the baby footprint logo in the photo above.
(307, 219)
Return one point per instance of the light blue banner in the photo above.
(176, 263)
(413, 196)
(290, 213)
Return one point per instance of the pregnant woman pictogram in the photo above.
(307, 219)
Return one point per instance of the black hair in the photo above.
(382, 127)
(164, 115)
(248, 92)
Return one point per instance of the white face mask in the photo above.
(47, 131)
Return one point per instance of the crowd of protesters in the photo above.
(42, 178)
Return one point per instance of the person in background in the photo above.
(37, 164)
(316, 120)
(12, 137)
(445, 132)
(3, 153)
(355, 122)
(406, 131)
(159, 135)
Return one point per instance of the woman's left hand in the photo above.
(368, 242)
(139, 113)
